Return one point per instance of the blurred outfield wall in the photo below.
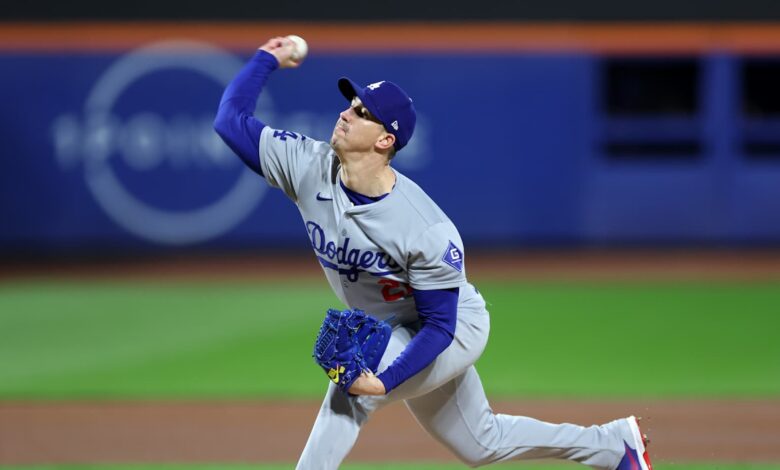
(528, 135)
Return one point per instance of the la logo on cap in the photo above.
(376, 85)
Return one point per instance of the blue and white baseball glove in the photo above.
(349, 343)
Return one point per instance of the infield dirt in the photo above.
(132, 432)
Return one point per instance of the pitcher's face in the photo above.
(356, 129)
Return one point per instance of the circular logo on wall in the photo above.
(152, 162)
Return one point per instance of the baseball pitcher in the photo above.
(397, 261)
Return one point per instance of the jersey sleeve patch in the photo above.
(453, 256)
(283, 135)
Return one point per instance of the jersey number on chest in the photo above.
(394, 290)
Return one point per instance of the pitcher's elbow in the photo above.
(221, 123)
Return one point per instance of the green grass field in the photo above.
(148, 340)
(123, 339)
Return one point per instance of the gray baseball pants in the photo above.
(449, 402)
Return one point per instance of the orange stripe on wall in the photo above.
(672, 38)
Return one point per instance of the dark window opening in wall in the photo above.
(644, 87)
(761, 87)
(761, 108)
(643, 151)
(651, 109)
(762, 150)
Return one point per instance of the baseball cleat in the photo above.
(636, 456)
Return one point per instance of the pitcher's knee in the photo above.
(475, 457)
(479, 447)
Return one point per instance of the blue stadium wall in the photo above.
(107, 143)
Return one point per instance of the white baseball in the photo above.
(301, 48)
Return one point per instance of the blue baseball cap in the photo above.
(388, 103)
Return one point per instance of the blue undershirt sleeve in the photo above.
(438, 310)
(235, 121)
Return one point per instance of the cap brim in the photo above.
(350, 89)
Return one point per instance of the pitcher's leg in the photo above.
(458, 415)
(340, 418)
(335, 430)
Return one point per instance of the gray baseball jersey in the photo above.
(372, 254)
